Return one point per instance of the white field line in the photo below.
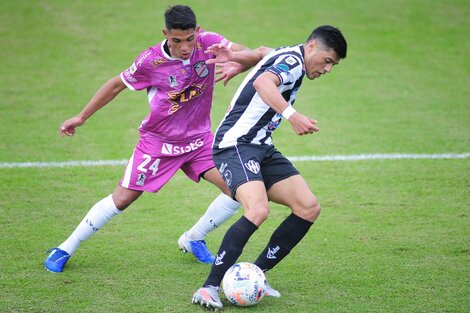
(357, 157)
(365, 157)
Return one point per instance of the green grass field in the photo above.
(393, 236)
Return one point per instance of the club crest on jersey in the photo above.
(252, 166)
(201, 69)
(141, 179)
(172, 80)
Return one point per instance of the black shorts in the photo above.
(244, 163)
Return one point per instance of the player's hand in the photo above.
(302, 124)
(227, 71)
(222, 54)
(69, 126)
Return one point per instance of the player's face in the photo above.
(319, 61)
(181, 42)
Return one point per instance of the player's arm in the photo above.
(248, 57)
(103, 96)
(266, 85)
(236, 53)
(235, 60)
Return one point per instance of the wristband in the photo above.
(288, 112)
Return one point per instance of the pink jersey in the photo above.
(179, 91)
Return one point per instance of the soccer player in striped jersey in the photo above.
(254, 170)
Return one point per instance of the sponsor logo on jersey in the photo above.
(271, 252)
(282, 67)
(201, 69)
(180, 97)
(172, 80)
(157, 62)
(274, 123)
(218, 259)
(129, 77)
(252, 166)
(172, 149)
(133, 68)
(141, 179)
(173, 108)
(291, 60)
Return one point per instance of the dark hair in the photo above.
(180, 17)
(331, 37)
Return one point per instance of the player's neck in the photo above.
(166, 48)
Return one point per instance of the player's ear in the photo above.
(165, 32)
(312, 43)
(197, 29)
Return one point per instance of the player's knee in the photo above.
(121, 202)
(309, 209)
(122, 199)
(314, 211)
(257, 215)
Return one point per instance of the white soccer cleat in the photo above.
(271, 292)
(208, 297)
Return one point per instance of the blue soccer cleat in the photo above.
(198, 248)
(56, 260)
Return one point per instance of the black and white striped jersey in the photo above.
(249, 119)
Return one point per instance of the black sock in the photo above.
(282, 241)
(230, 249)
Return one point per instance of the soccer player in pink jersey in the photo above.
(179, 80)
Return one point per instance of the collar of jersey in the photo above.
(169, 57)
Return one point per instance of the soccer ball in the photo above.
(244, 284)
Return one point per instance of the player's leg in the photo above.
(220, 210)
(143, 173)
(100, 214)
(255, 205)
(249, 189)
(294, 193)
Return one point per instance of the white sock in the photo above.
(101, 213)
(221, 209)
